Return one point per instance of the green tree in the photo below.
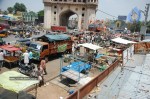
(20, 7)
(5, 12)
(135, 26)
(10, 9)
(41, 16)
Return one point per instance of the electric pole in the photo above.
(146, 12)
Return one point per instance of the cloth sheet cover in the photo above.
(15, 85)
(77, 66)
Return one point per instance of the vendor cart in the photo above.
(11, 54)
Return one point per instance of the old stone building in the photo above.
(57, 12)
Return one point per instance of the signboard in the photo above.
(134, 15)
(123, 18)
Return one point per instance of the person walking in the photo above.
(43, 65)
(26, 58)
(40, 76)
(1, 59)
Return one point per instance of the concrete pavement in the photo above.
(131, 83)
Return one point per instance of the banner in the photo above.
(61, 48)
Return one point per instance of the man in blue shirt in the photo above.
(30, 56)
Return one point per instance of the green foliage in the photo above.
(41, 16)
(5, 12)
(20, 7)
(135, 26)
(10, 9)
(41, 13)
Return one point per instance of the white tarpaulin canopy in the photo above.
(122, 41)
(90, 46)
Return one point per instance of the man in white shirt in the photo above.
(1, 58)
(26, 58)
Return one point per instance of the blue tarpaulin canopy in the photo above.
(78, 66)
(56, 37)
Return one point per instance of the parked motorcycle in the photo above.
(29, 70)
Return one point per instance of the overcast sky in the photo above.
(113, 7)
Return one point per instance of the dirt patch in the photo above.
(50, 91)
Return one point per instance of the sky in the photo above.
(112, 7)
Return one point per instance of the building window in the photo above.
(65, 0)
(74, 1)
(60, 0)
(83, 9)
(54, 19)
(55, 6)
(84, 1)
(83, 14)
(76, 9)
(79, 0)
(54, 12)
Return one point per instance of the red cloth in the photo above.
(9, 48)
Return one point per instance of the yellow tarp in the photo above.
(15, 81)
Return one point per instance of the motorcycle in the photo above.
(29, 70)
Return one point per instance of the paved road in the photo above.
(53, 66)
(12, 38)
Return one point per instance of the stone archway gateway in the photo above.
(64, 17)
(57, 12)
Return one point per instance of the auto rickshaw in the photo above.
(3, 33)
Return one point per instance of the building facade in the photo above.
(57, 12)
(29, 17)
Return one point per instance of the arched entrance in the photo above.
(64, 18)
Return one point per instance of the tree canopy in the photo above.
(41, 16)
(10, 9)
(20, 7)
(41, 13)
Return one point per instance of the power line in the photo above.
(107, 13)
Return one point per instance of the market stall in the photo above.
(91, 51)
(15, 82)
(11, 54)
(119, 44)
(127, 51)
